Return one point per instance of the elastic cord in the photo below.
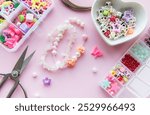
(73, 6)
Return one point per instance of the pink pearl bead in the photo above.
(85, 37)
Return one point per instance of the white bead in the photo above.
(54, 52)
(58, 64)
(94, 70)
(75, 57)
(78, 54)
(57, 39)
(54, 47)
(56, 43)
(85, 37)
(60, 35)
(82, 25)
(34, 75)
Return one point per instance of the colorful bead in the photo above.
(111, 85)
(71, 63)
(121, 73)
(38, 6)
(130, 62)
(8, 6)
(114, 24)
(46, 81)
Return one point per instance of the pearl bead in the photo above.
(60, 35)
(54, 52)
(94, 70)
(34, 75)
(78, 54)
(75, 57)
(57, 39)
(56, 43)
(37, 95)
(54, 47)
(85, 37)
(82, 25)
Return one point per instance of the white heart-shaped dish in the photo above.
(139, 13)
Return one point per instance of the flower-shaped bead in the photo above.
(71, 62)
(81, 49)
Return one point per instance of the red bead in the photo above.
(113, 18)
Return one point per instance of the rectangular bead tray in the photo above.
(130, 77)
(20, 28)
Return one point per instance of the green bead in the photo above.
(21, 18)
(2, 39)
(106, 12)
(16, 5)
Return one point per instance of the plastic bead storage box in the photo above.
(19, 18)
(130, 77)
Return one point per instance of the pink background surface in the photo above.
(78, 82)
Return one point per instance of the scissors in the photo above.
(16, 73)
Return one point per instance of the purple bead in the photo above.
(128, 15)
(24, 27)
(46, 81)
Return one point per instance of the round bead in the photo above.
(85, 37)
(94, 70)
(54, 52)
(34, 75)
(78, 54)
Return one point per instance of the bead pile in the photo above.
(3, 23)
(111, 85)
(115, 24)
(141, 52)
(10, 36)
(25, 20)
(68, 61)
(147, 41)
(121, 74)
(130, 62)
(38, 6)
(8, 6)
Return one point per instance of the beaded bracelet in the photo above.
(68, 61)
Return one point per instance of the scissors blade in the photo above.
(13, 89)
(20, 61)
(4, 79)
(25, 63)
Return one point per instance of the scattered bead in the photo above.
(94, 70)
(115, 24)
(34, 75)
(46, 81)
(96, 52)
(37, 95)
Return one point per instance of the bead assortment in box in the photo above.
(18, 21)
(131, 73)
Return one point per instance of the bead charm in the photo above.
(114, 24)
(54, 40)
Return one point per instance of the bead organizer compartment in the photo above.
(131, 73)
(8, 6)
(24, 20)
(38, 6)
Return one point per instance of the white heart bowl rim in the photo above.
(121, 40)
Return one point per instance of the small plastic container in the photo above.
(139, 83)
(15, 15)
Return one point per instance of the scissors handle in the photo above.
(3, 80)
(13, 89)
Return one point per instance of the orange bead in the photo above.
(130, 31)
(71, 63)
(81, 49)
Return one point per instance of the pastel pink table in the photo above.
(78, 82)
